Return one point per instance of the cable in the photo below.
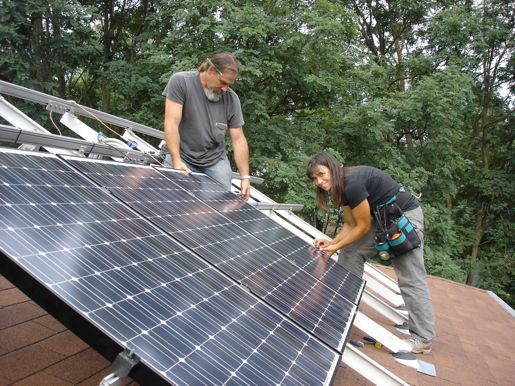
(129, 143)
(53, 123)
(96, 118)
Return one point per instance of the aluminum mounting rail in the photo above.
(275, 206)
(62, 106)
(254, 180)
(17, 136)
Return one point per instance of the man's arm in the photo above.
(173, 116)
(241, 158)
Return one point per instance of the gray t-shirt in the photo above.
(204, 123)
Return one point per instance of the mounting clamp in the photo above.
(122, 366)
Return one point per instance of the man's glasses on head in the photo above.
(219, 73)
(216, 68)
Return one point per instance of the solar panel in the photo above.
(245, 258)
(112, 268)
(275, 236)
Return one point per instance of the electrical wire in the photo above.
(53, 123)
(128, 142)
(98, 119)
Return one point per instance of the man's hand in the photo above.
(179, 165)
(245, 189)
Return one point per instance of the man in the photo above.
(200, 107)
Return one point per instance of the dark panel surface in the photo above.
(276, 279)
(273, 235)
(187, 321)
(294, 248)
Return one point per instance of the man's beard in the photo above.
(212, 95)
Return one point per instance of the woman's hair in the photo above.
(223, 61)
(337, 179)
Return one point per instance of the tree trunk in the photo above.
(37, 39)
(481, 221)
(401, 80)
(107, 42)
(449, 207)
(59, 59)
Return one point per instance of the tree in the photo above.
(484, 50)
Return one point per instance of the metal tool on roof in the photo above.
(356, 343)
(426, 368)
(371, 340)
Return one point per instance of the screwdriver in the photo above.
(356, 343)
(371, 340)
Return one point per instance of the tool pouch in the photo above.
(402, 236)
(396, 234)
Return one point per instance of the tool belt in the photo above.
(395, 233)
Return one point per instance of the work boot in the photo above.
(418, 346)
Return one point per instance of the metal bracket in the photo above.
(122, 366)
(275, 206)
(57, 107)
(369, 368)
(253, 179)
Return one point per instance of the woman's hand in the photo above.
(321, 243)
(326, 246)
(329, 249)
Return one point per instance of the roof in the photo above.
(35, 349)
(473, 345)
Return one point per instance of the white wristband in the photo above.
(245, 177)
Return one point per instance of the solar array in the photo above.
(178, 204)
(187, 321)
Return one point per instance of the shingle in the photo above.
(5, 284)
(42, 379)
(19, 313)
(65, 343)
(51, 323)
(12, 296)
(24, 334)
(78, 367)
(23, 363)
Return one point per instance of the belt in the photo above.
(391, 200)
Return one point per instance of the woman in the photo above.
(359, 191)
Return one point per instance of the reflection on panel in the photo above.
(273, 277)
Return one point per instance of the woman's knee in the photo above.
(354, 263)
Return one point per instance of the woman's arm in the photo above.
(357, 224)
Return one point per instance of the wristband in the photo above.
(245, 177)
